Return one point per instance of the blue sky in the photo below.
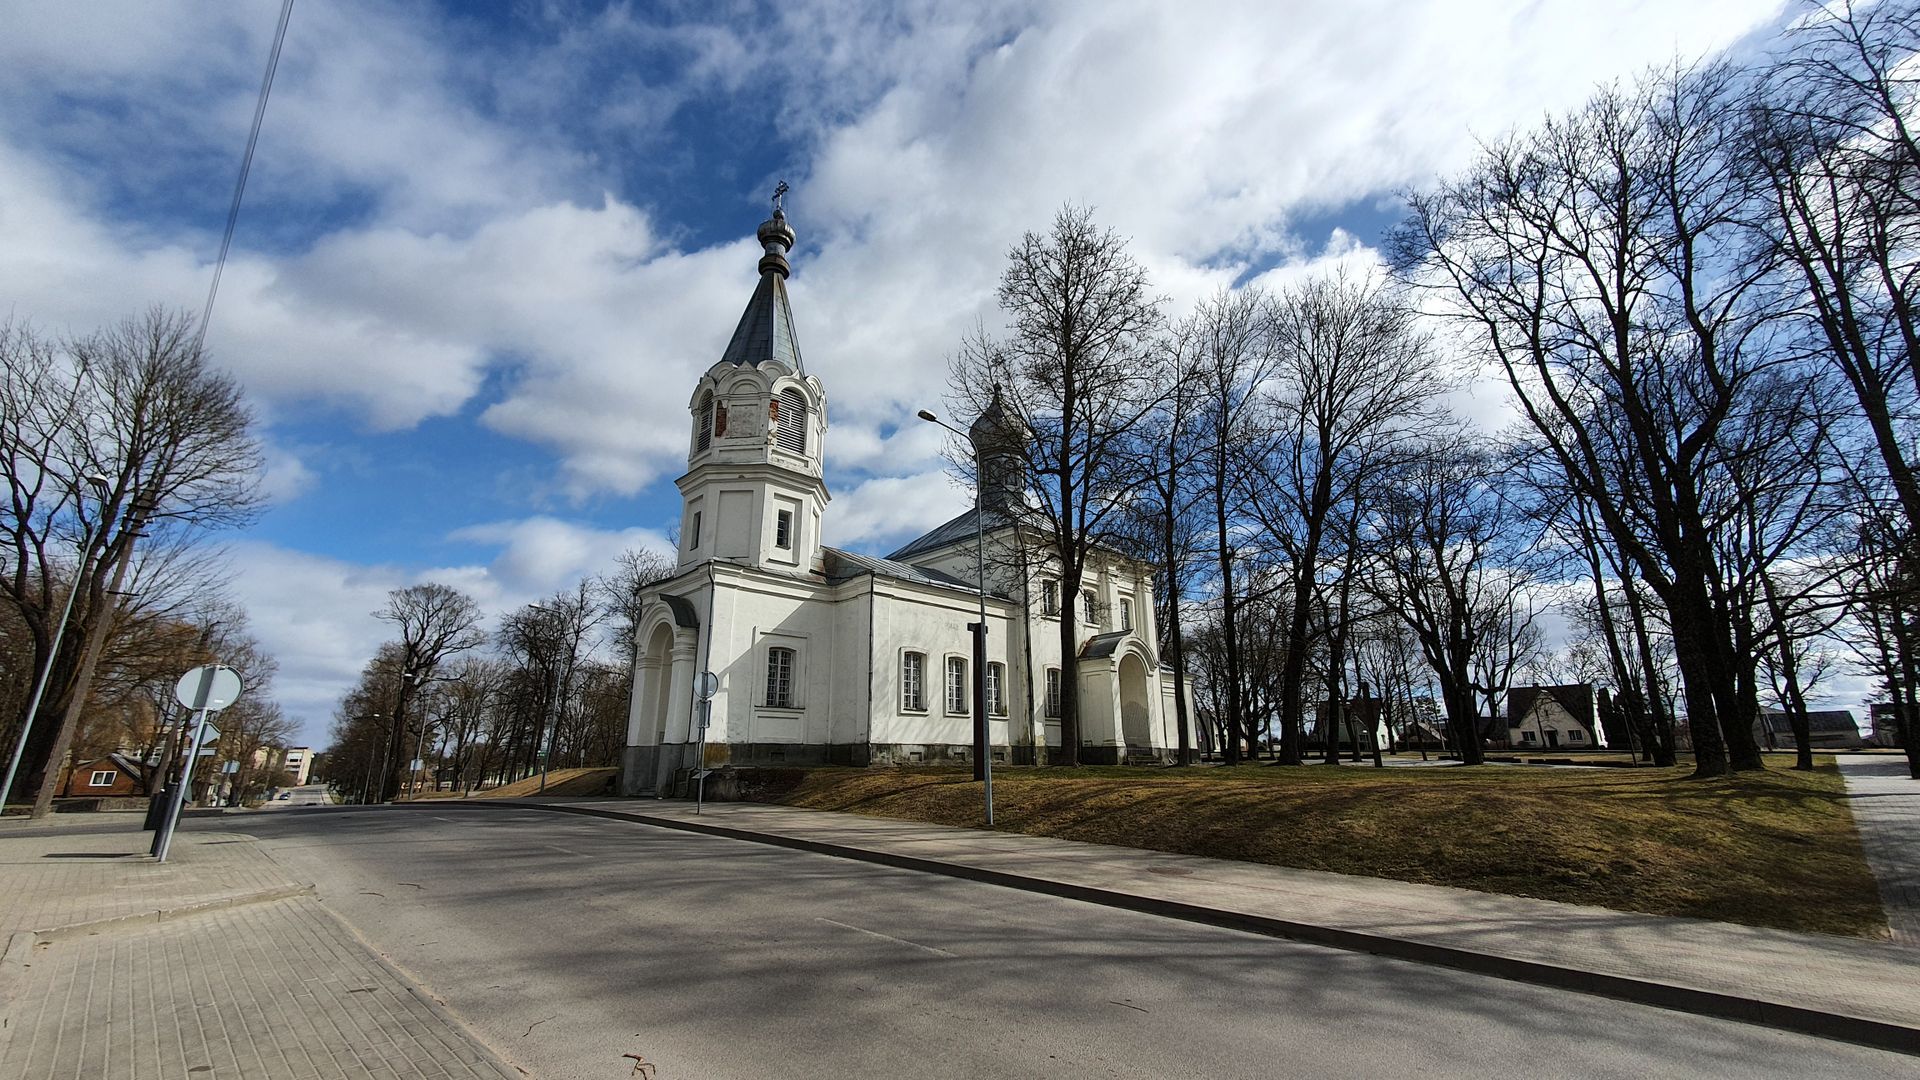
(487, 248)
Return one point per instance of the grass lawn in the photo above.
(1771, 849)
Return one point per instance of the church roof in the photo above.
(844, 565)
(960, 528)
(766, 327)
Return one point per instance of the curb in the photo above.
(425, 996)
(1880, 1034)
(160, 915)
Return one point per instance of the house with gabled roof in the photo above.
(1553, 718)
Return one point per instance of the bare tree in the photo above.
(139, 406)
(435, 622)
(1074, 372)
(1603, 261)
(1232, 339)
(1354, 375)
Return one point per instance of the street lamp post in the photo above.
(99, 485)
(982, 723)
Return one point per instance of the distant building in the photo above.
(115, 775)
(1552, 718)
(298, 762)
(1827, 729)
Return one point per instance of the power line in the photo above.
(246, 165)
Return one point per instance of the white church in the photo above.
(827, 656)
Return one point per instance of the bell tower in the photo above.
(754, 490)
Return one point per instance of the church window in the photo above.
(790, 417)
(703, 432)
(693, 533)
(956, 685)
(1053, 693)
(1049, 597)
(1093, 608)
(1126, 612)
(913, 682)
(997, 689)
(779, 678)
(783, 529)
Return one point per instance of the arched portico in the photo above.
(659, 719)
(1136, 704)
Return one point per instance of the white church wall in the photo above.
(932, 622)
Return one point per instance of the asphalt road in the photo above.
(571, 942)
(308, 795)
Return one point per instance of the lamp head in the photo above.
(928, 417)
(101, 486)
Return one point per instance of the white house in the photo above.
(827, 656)
(1553, 718)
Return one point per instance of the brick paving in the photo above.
(53, 876)
(1886, 807)
(277, 989)
(271, 988)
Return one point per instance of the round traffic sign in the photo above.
(210, 686)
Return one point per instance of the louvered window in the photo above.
(703, 423)
(791, 415)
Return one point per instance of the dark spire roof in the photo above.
(766, 327)
(999, 445)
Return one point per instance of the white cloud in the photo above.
(890, 510)
(315, 616)
(540, 555)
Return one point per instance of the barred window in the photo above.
(779, 678)
(913, 682)
(956, 685)
(996, 689)
(790, 416)
(1053, 693)
(703, 421)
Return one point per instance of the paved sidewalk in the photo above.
(52, 876)
(236, 972)
(1848, 988)
(1886, 807)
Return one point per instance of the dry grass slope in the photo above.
(1772, 849)
(575, 782)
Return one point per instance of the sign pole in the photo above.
(708, 686)
(163, 840)
(206, 689)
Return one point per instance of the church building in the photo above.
(827, 656)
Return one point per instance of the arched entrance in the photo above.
(658, 663)
(1136, 723)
